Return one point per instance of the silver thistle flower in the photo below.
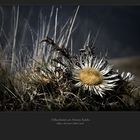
(127, 76)
(94, 74)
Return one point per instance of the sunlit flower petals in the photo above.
(90, 88)
(86, 63)
(111, 76)
(107, 86)
(77, 78)
(131, 77)
(94, 62)
(78, 84)
(85, 87)
(95, 91)
(75, 71)
(90, 61)
(95, 75)
(106, 70)
(99, 63)
(101, 93)
(127, 76)
(76, 67)
(111, 82)
(81, 64)
(100, 90)
(104, 87)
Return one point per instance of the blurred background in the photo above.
(118, 29)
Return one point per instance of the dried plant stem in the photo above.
(16, 20)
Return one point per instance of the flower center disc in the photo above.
(90, 76)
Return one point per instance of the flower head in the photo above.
(95, 75)
(126, 76)
(90, 76)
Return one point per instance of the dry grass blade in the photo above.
(62, 50)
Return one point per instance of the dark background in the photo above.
(120, 26)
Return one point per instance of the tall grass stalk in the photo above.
(16, 21)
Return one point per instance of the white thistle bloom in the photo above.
(95, 75)
(127, 76)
